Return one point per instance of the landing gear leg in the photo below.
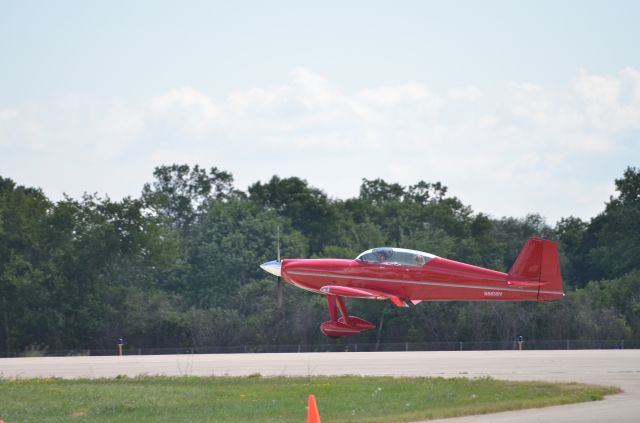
(333, 310)
(345, 325)
(343, 310)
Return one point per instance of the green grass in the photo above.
(278, 399)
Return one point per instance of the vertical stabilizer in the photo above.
(539, 262)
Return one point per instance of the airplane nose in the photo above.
(272, 267)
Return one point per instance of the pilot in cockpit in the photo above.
(381, 256)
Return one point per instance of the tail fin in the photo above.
(539, 262)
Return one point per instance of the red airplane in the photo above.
(407, 277)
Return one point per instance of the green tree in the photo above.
(23, 264)
(230, 242)
(617, 229)
(571, 233)
(179, 193)
(307, 208)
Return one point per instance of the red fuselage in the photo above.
(438, 279)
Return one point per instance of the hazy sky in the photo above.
(516, 108)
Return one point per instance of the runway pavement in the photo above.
(604, 367)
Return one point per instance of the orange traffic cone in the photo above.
(313, 416)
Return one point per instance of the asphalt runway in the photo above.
(604, 367)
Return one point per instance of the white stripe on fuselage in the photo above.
(443, 284)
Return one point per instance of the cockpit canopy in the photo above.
(398, 256)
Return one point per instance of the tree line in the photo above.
(178, 265)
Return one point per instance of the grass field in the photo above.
(279, 399)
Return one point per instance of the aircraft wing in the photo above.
(345, 291)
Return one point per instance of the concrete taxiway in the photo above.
(604, 367)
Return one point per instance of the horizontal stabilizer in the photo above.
(521, 284)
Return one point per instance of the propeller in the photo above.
(280, 283)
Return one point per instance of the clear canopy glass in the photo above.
(397, 256)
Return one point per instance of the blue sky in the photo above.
(516, 107)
